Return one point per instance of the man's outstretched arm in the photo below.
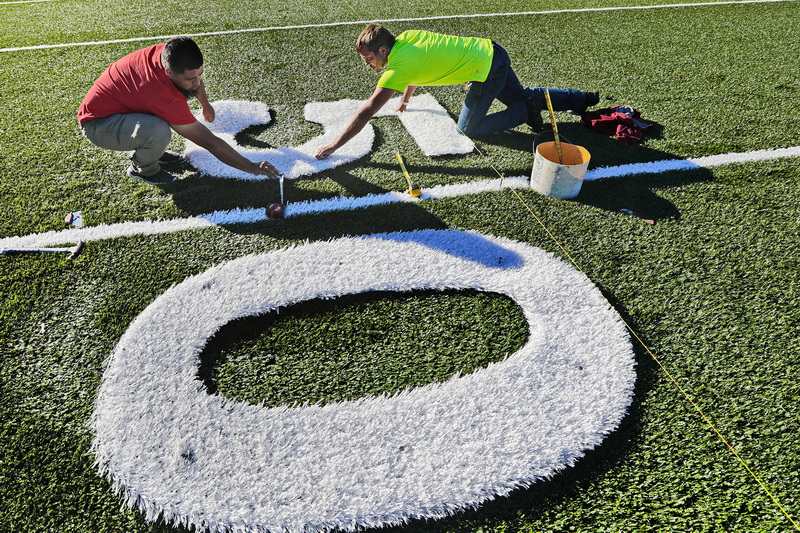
(203, 137)
(359, 120)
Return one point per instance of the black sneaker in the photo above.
(161, 177)
(534, 115)
(589, 100)
(171, 160)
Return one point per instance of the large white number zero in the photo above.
(207, 461)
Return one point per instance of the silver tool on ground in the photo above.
(73, 251)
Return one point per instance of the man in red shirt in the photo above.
(138, 98)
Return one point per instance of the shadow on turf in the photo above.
(538, 500)
(200, 195)
(635, 193)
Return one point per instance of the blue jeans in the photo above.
(502, 84)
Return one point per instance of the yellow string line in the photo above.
(669, 375)
(671, 378)
(356, 13)
(647, 349)
(628, 326)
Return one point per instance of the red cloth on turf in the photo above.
(622, 122)
(136, 83)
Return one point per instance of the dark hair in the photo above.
(373, 37)
(181, 54)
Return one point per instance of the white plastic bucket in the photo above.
(559, 179)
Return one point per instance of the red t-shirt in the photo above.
(136, 83)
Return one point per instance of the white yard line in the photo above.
(361, 22)
(344, 203)
(657, 167)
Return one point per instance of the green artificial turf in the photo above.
(360, 345)
(712, 288)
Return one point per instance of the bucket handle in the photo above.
(536, 138)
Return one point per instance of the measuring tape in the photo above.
(413, 189)
(555, 126)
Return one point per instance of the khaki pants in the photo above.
(147, 135)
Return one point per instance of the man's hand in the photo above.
(202, 97)
(265, 168)
(325, 151)
(208, 113)
(406, 97)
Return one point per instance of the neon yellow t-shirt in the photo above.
(426, 58)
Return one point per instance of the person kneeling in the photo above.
(416, 58)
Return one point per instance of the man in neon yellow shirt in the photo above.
(416, 58)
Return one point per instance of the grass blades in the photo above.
(712, 287)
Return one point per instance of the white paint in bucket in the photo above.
(559, 180)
